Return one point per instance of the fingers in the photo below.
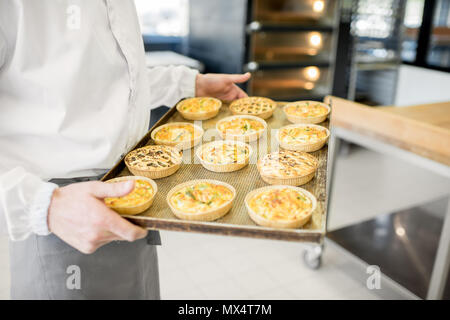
(234, 93)
(238, 78)
(240, 93)
(103, 190)
(122, 228)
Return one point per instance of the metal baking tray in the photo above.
(236, 222)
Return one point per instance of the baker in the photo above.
(75, 95)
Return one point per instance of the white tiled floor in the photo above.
(195, 266)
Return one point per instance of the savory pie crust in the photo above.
(312, 144)
(196, 135)
(155, 162)
(306, 112)
(274, 195)
(227, 149)
(246, 122)
(209, 215)
(254, 106)
(133, 209)
(209, 106)
(287, 167)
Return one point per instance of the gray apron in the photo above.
(45, 267)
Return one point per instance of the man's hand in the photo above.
(221, 86)
(78, 215)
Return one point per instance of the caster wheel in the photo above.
(312, 259)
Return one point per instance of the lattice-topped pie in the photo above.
(287, 167)
(202, 200)
(306, 111)
(303, 137)
(224, 156)
(200, 108)
(254, 106)
(156, 161)
(280, 206)
(138, 200)
(183, 135)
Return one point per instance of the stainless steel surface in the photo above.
(402, 244)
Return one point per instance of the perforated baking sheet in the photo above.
(236, 222)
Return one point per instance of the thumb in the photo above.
(115, 189)
(238, 78)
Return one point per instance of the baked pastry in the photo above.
(287, 167)
(138, 200)
(224, 156)
(244, 128)
(280, 206)
(306, 112)
(303, 137)
(201, 200)
(154, 161)
(201, 108)
(183, 135)
(254, 106)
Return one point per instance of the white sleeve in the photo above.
(170, 84)
(24, 202)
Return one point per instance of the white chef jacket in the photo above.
(74, 96)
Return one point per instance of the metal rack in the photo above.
(376, 29)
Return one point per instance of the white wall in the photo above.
(418, 85)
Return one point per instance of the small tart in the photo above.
(287, 167)
(200, 108)
(244, 128)
(280, 206)
(183, 135)
(224, 156)
(303, 137)
(254, 106)
(138, 200)
(155, 162)
(201, 200)
(306, 111)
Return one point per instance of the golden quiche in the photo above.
(155, 162)
(280, 206)
(254, 106)
(302, 137)
(138, 200)
(202, 200)
(287, 167)
(306, 111)
(244, 128)
(224, 156)
(183, 135)
(200, 108)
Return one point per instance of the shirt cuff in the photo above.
(39, 209)
(187, 83)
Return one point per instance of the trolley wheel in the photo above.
(312, 258)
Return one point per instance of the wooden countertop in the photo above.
(436, 114)
(421, 129)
